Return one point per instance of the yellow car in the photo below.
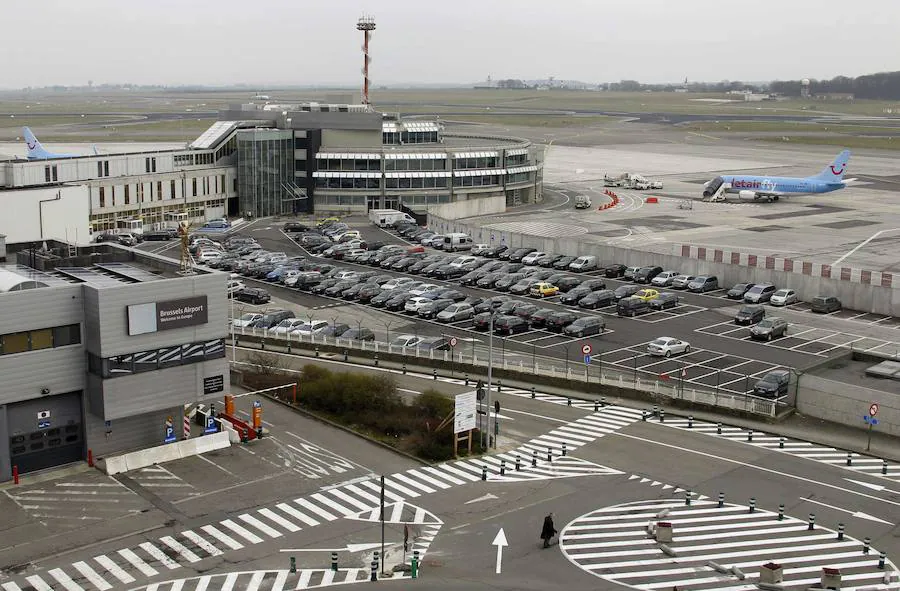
(647, 294)
(324, 221)
(544, 290)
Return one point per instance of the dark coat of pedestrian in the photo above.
(548, 531)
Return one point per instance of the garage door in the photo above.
(45, 432)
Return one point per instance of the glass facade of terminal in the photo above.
(265, 172)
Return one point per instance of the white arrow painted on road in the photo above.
(500, 542)
(878, 487)
(858, 514)
(347, 548)
(486, 497)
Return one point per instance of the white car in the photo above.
(784, 297)
(420, 289)
(396, 282)
(234, 286)
(246, 319)
(681, 281)
(405, 340)
(668, 346)
(532, 258)
(413, 304)
(345, 275)
(463, 261)
(288, 325)
(207, 256)
(348, 235)
(316, 327)
(664, 279)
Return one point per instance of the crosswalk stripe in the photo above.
(202, 583)
(303, 579)
(352, 575)
(91, 575)
(10, 587)
(280, 580)
(242, 532)
(202, 543)
(467, 467)
(336, 492)
(397, 512)
(230, 580)
(574, 434)
(430, 480)
(177, 585)
(137, 563)
(255, 581)
(65, 580)
(327, 578)
(297, 514)
(180, 548)
(315, 509)
(400, 488)
(363, 494)
(38, 583)
(376, 487)
(275, 517)
(222, 537)
(159, 555)
(269, 531)
(444, 473)
(406, 480)
(114, 569)
(332, 503)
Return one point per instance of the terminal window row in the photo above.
(43, 338)
(155, 359)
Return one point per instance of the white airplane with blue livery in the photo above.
(37, 152)
(771, 188)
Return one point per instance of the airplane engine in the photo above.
(748, 195)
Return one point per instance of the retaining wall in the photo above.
(846, 404)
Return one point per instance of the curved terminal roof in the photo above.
(10, 281)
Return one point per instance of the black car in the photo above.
(584, 326)
(559, 320)
(539, 317)
(320, 288)
(774, 384)
(253, 295)
(664, 301)
(626, 291)
(335, 330)
(510, 325)
(522, 287)
(737, 292)
(491, 303)
(295, 227)
(367, 291)
(340, 287)
(496, 251)
(448, 272)
(489, 280)
(432, 308)
(509, 307)
(352, 293)
(567, 283)
(379, 300)
(404, 263)
(548, 259)
(749, 315)
(520, 253)
(433, 344)
(526, 310)
(452, 294)
(563, 263)
(573, 296)
(272, 318)
(597, 299)
(359, 334)
(157, 236)
(646, 274)
(593, 284)
(398, 302)
(507, 281)
(471, 277)
(615, 271)
(482, 321)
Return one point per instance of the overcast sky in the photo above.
(267, 42)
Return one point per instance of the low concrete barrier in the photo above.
(165, 453)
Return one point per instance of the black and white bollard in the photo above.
(549, 454)
(534, 458)
(568, 401)
(812, 522)
(644, 416)
(293, 568)
(718, 428)
(376, 359)
(849, 458)
(687, 497)
(690, 422)
(881, 560)
(752, 504)
(415, 564)
(866, 542)
(499, 385)
(317, 351)
(564, 448)
(884, 466)
(596, 405)
(721, 500)
(467, 379)
(781, 443)
(781, 512)
(502, 467)
(518, 463)
(532, 392)
(840, 531)
(334, 561)
(434, 373)
(603, 401)
(376, 560)
(662, 416)
(750, 435)
(404, 369)
(655, 411)
(374, 571)
(484, 472)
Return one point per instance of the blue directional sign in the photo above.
(43, 424)
(587, 359)
(870, 420)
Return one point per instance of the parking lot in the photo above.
(805, 339)
(728, 374)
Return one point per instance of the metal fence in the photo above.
(544, 366)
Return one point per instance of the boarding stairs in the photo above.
(719, 195)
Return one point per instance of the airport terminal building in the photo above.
(100, 346)
(263, 160)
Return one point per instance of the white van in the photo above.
(457, 241)
(584, 263)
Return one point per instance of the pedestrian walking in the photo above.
(548, 531)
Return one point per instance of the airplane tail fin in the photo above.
(834, 173)
(35, 149)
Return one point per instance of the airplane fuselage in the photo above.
(780, 185)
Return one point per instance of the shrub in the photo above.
(433, 405)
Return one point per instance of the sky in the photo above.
(299, 42)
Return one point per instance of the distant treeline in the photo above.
(882, 86)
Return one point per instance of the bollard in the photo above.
(687, 497)
(434, 373)
(662, 416)
(781, 443)
(376, 359)
(781, 512)
(881, 559)
(374, 571)
(750, 435)
(721, 500)
(549, 454)
(415, 564)
(289, 345)
(293, 565)
(655, 411)
(484, 472)
(375, 559)
(404, 369)
(884, 466)
(534, 459)
(499, 385)
(532, 392)
(467, 379)
(564, 448)
(718, 428)
(596, 405)
(334, 561)
(812, 522)
(690, 422)
(840, 531)
(644, 416)
(16, 474)
(752, 504)
(346, 355)
(603, 401)
(317, 351)
(866, 543)
(262, 345)
(518, 463)
(90, 458)
(569, 401)
(502, 467)
(849, 458)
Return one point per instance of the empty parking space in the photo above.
(729, 374)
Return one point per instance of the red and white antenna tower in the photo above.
(366, 24)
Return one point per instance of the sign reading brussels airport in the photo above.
(156, 316)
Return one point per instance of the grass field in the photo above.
(786, 127)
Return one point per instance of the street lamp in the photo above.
(490, 370)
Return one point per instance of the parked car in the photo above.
(646, 274)
(774, 384)
(626, 291)
(646, 294)
(433, 344)
(359, 334)
(566, 283)
(491, 303)
(335, 329)
(749, 315)
(759, 293)
(559, 320)
(287, 325)
(681, 281)
(482, 320)
(532, 257)
(668, 346)
(784, 297)
(632, 306)
(517, 255)
(563, 263)
(664, 279)
(539, 317)
(456, 312)
(271, 318)
(769, 328)
(509, 325)
(495, 251)
(704, 283)
(544, 290)
(826, 304)
(311, 328)
(584, 326)
(573, 296)
(629, 273)
(434, 307)
(405, 340)
(584, 263)
(480, 249)
(412, 304)
(246, 319)
(737, 292)
(253, 295)
(664, 301)
(547, 260)
(614, 271)
(597, 299)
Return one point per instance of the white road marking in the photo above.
(137, 563)
(114, 569)
(91, 575)
(222, 537)
(201, 543)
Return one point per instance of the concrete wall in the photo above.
(846, 404)
(68, 215)
(335, 138)
(472, 207)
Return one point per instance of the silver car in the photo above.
(664, 279)
(454, 312)
(681, 281)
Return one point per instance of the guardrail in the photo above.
(673, 389)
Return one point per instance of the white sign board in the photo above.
(464, 419)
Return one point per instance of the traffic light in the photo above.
(496, 407)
